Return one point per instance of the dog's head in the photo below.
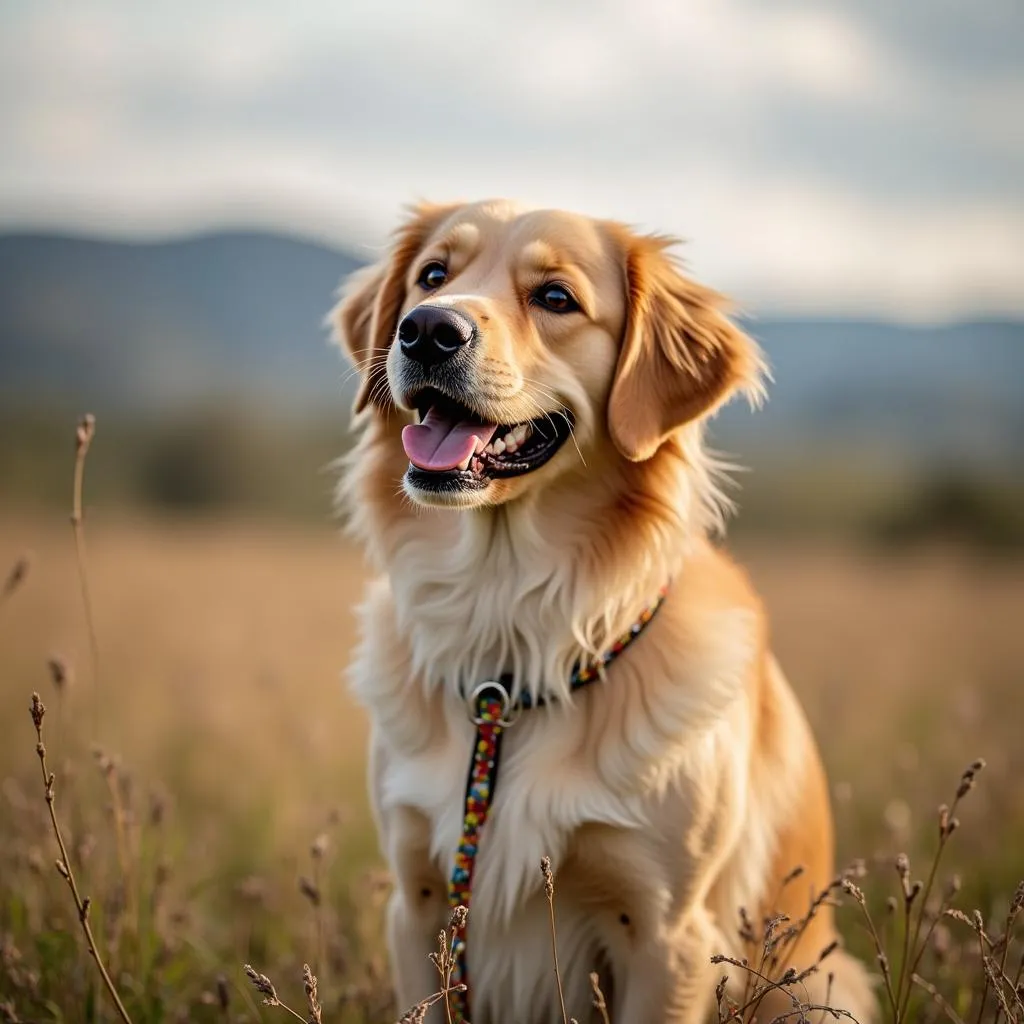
(524, 344)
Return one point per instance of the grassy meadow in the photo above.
(209, 782)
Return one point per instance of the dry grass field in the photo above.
(210, 783)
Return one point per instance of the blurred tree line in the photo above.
(247, 459)
(202, 461)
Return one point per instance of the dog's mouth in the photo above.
(452, 444)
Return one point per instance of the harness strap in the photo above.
(493, 711)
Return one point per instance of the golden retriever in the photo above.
(530, 471)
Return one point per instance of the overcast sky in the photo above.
(852, 155)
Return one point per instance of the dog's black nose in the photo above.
(431, 334)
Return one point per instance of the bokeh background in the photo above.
(182, 188)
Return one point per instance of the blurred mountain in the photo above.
(946, 395)
(133, 326)
(142, 327)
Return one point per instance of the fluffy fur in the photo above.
(686, 784)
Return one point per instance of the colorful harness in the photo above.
(492, 711)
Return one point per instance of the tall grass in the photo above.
(143, 955)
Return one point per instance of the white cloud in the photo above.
(810, 156)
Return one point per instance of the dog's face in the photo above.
(520, 342)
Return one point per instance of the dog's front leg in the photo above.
(411, 937)
(417, 909)
(668, 978)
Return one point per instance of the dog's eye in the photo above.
(556, 297)
(433, 275)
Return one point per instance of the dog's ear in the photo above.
(681, 357)
(365, 319)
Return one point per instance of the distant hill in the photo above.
(949, 394)
(143, 327)
(137, 325)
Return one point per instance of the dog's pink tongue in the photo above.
(439, 444)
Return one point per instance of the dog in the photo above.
(530, 473)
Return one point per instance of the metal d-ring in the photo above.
(510, 710)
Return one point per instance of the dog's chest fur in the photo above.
(612, 757)
(640, 759)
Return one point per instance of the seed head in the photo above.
(84, 433)
(967, 779)
(263, 985)
(1017, 903)
(853, 890)
(310, 891)
(309, 982)
(549, 878)
(828, 950)
(793, 875)
(157, 809)
(17, 575)
(415, 1015)
(38, 709)
(60, 673)
(459, 917)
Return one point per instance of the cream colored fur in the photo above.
(676, 790)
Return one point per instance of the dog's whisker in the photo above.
(548, 416)
(368, 365)
(376, 355)
(380, 386)
(557, 412)
(364, 365)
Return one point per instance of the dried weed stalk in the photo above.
(994, 992)
(920, 915)
(444, 963)
(313, 890)
(599, 1001)
(265, 987)
(549, 892)
(82, 904)
(84, 433)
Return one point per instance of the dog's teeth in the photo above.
(520, 433)
(511, 444)
(527, 430)
(496, 447)
(479, 447)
